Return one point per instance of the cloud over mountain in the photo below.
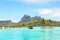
(54, 12)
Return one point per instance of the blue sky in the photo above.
(15, 9)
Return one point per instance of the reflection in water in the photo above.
(47, 33)
(37, 33)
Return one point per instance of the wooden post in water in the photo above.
(0, 27)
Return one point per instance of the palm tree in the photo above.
(50, 22)
(43, 21)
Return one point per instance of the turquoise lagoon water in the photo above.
(37, 33)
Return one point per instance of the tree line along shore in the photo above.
(27, 21)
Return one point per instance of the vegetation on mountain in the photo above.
(30, 21)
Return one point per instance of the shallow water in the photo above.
(37, 33)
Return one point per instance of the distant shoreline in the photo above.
(27, 27)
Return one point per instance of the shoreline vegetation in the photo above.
(29, 22)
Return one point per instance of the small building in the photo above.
(30, 27)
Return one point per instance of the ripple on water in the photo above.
(30, 34)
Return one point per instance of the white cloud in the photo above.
(14, 21)
(54, 12)
(45, 11)
(34, 1)
(56, 15)
(38, 1)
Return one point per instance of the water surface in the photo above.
(37, 33)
